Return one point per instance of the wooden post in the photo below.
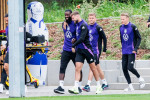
(3, 11)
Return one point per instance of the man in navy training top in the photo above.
(83, 50)
(130, 40)
(96, 35)
(69, 29)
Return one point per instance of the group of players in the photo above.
(83, 41)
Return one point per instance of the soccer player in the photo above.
(130, 40)
(148, 22)
(69, 29)
(83, 51)
(96, 34)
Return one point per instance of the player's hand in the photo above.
(148, 24)
(104, 53)
(73, 41)
(134, 52)
(3, 47)
(73, 50)
(64, 25)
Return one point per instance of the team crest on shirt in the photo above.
(68, 34)
(90, 35)
(77, 31)
(125, 37)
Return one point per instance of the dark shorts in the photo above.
(6, 60)
(65, 58)
(128, 60)
(96, 59)
(82, 54)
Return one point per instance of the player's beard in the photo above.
(68, 19)
(76, 21)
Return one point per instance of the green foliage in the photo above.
(104, 8)
(61, 40)
(57, 45)
(144, 31)
(51, 39)
(108, 52)
(57, 57)
(55, 5)
(146, 57)
(111, 57)
(145, 43)
(116, 43)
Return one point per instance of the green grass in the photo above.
(146, 57)
(51, 39)
(108, 52)
(89, 97)
(57, 57)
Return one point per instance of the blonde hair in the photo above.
(92, 14)
(75, 13)
(125, 14)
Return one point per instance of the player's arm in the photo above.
(101, 33)
(120, 35)
(74, 36)
(148, 22)
(84, 31)
(138, 36)
(64, 25)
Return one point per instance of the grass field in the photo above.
(91, 97)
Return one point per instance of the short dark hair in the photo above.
(6, 15)
(68, 10)
(75, 13)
